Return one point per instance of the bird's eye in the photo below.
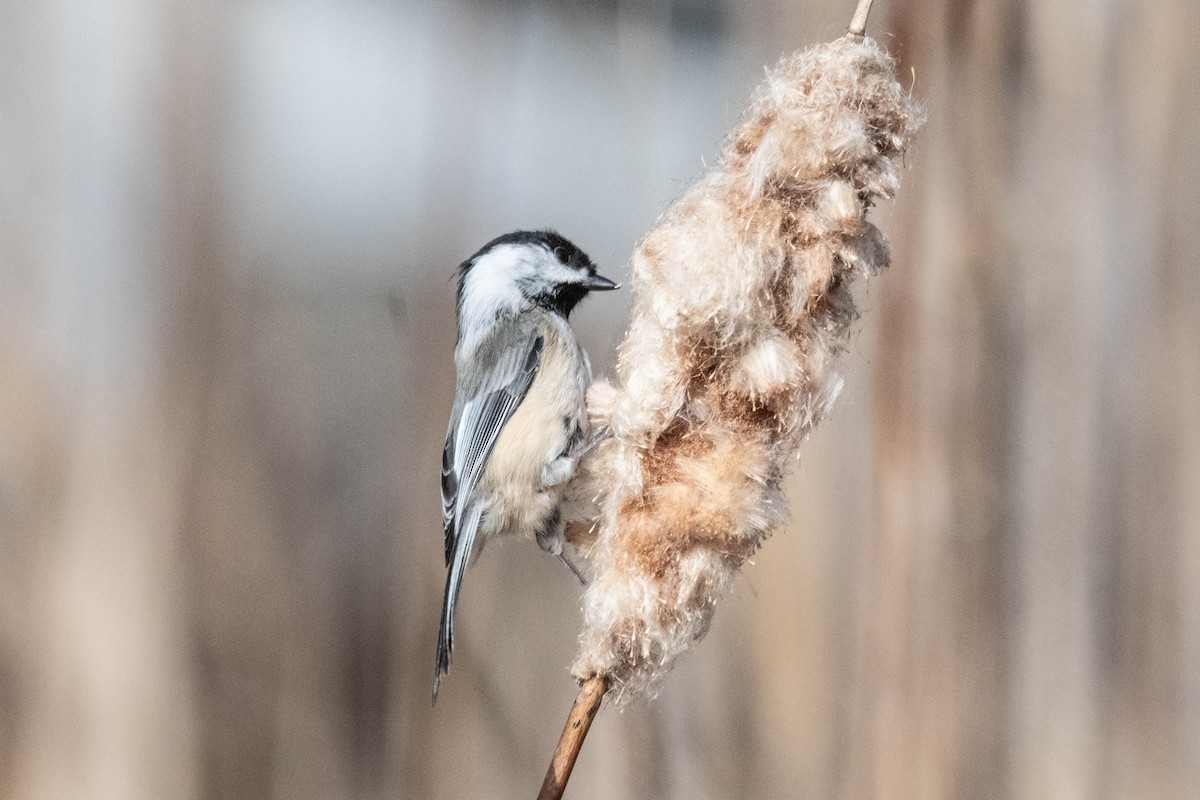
(562, 255)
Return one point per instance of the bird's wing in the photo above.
(484, 406)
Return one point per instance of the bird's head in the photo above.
(528, 268)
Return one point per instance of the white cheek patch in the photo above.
(557, 273)
(490, 289)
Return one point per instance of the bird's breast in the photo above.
(538, 432)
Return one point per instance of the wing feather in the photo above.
(479, 417)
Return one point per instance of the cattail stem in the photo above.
(858, 25)
(741, 307)
(587, 703)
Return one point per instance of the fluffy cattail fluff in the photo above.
(742, 304)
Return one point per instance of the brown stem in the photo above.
(858, 25)
(578, 722)
(591, 693)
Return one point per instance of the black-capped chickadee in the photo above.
(519, 423)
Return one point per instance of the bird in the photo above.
(518, 425)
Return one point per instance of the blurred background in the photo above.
(227, 234)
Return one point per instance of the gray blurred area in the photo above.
(227, 235)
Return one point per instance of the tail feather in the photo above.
(464, 544)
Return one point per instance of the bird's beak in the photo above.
(599, 283)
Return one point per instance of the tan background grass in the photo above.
(226, 236)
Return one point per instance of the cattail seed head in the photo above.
(742, 303)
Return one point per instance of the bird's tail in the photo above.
(463, 545)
